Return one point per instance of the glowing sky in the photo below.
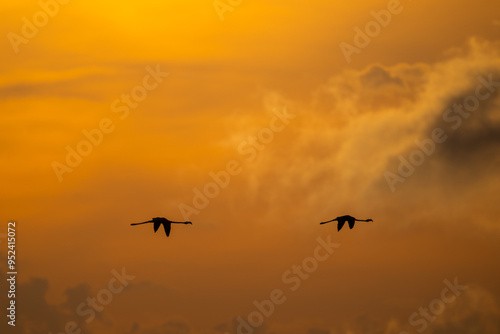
(298, 134)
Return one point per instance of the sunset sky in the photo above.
(255, 120)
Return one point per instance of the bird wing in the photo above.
(340, 224)
(351, 223)
(156, 225)
(167, 227)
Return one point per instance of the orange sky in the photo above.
(221, 95)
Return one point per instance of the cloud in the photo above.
(61, 83)
(169, 327)
(148, 286)
(365, 324)
(75, 295)
(223, 327)
(378, 78)
(134, 329)
(317, 331)
(373, 89)
(36, 314)
(475, 311)
(477, 135)
(359, 123)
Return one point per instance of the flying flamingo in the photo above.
(161, 221)
(350, 219)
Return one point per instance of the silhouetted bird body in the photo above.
(349, 219)
(158, 221)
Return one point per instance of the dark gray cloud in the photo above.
(35, 314)
(377, 78)
(75, 295)
(470, 149)
(477, 136)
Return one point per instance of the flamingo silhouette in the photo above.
(167, 224)
(350, 219)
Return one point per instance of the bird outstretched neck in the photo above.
(142, 223)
